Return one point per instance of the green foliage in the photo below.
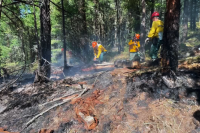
(4, 52)
(103, 23)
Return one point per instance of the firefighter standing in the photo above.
(155, 35)
(134, 46)
(99, 51)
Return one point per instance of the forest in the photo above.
(53, 81)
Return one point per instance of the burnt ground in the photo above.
(145, 103)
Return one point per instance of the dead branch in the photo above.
(44, 77)
(57, 99)
(56, 105)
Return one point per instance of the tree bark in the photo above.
(152, 10)
(143, 25)
(1, 3)
(194, 14)
(84, 32)
(185, 21)
(96, 16)
(83, 12)
(45, 37)
(191, 16)
(39, 53)
(64, 35)
(169, 51)
(118, 10)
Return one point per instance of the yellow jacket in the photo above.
(133, 47)
(156, 30)
(99, 50)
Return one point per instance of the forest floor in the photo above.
(107, 99)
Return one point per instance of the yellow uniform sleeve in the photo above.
(138, 44)
(130, 43)
(99, 53)
(153, 30)
(157, 29)
(103, 49)
(100, 50)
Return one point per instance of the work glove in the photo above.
(94, 59)
(147, 40)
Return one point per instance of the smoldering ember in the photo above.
(81, 66)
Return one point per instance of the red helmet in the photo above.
(62, 49)
(94, 44)
(137, 36)
(155, 14)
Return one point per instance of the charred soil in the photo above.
(112, 101)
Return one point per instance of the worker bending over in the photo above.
(99, 51)
(134, 46)
(155, 35)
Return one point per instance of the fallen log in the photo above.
(127, 64)
(97, 67)
(104, 64)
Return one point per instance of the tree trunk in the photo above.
(84, 31)
(169, 51)
(1, 3)
(185, 21)
(118, 10)
(143, 25)
(152, 10)
(194, 15)
(39, 54)
(83, 13)
(191, 16)
(115, 32)
(96, 16)
(45, 37)
(64, 35)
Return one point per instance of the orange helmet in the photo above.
(94, 44)
(137, 36)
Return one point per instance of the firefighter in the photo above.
(99, 51)
(134, 46)
(155, 35)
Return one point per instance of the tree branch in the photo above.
(14, 15)
(20, 1)
(9, 18)
(1, 3)
(59, 7)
